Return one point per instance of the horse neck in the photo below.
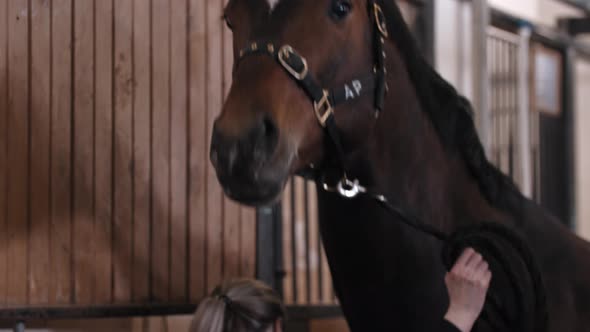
(405, 160)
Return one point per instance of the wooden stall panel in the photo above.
(3, 145)
(231, 223)
(214, 98)
(61, 276)
(106, 191)
(142, 113)
(83, 200)
(178, 151)
(198, 148)
(123, 180)
(160, 148)
(103, 150)
(18, 151)
(248, 242)
(287, 207)
(307, 276)
(40, 148)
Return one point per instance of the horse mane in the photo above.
(451, 115)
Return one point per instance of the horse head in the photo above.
(267, 129)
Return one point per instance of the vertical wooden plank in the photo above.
(141, 148)
(300, 254)
(40, 162)
(3, 144)
(306, 240)
(228, 55)
(178, 150)
(197, 148)
(314, 249)
(231, 239)
(504, 107)
(161, 148)
(287, 245)
(248, 242)
(83, 202)
(61, 112)
(122, 207)
(231, 222)
(327, 287)
(18, 145)
(214, 79)
(293, 240)
(103, 160)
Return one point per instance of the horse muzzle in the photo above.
(246, 164)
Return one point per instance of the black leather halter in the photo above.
(324, 100)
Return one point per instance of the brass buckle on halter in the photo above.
(380, 20)
(284, 53)
(323, 109)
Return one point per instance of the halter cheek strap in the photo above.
(324, 100)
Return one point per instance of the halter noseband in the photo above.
(324, 100)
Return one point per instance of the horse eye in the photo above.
(340, 9)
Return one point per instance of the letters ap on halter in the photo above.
(357, 86)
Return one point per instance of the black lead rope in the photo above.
(408, 219)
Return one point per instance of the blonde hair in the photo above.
(241, 305)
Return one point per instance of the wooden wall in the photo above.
(106, 190)
(307, 276)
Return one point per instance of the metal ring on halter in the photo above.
(349, 189)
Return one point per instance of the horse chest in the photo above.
(387, 277)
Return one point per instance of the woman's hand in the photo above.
(467, 284)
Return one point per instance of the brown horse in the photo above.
(422, 152)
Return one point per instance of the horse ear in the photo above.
(409, 12)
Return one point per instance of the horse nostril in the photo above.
(269, 128)
(266, 137)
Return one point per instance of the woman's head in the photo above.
(241, 305)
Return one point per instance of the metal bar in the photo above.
(293, 325)
(504, 83)
(514, 95)
(307, 244)
(313, 312)
(279, 270)
(569, 98)
(320, 261)
(492, 45)
(481, 19)
(503, 35)
(461, 41)
(424, 29)
(265, 260)
(9, 316)
(524, 125)
(293, 242)
(19, 327)
(577, 5)
(575, 26)
(547, 36)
